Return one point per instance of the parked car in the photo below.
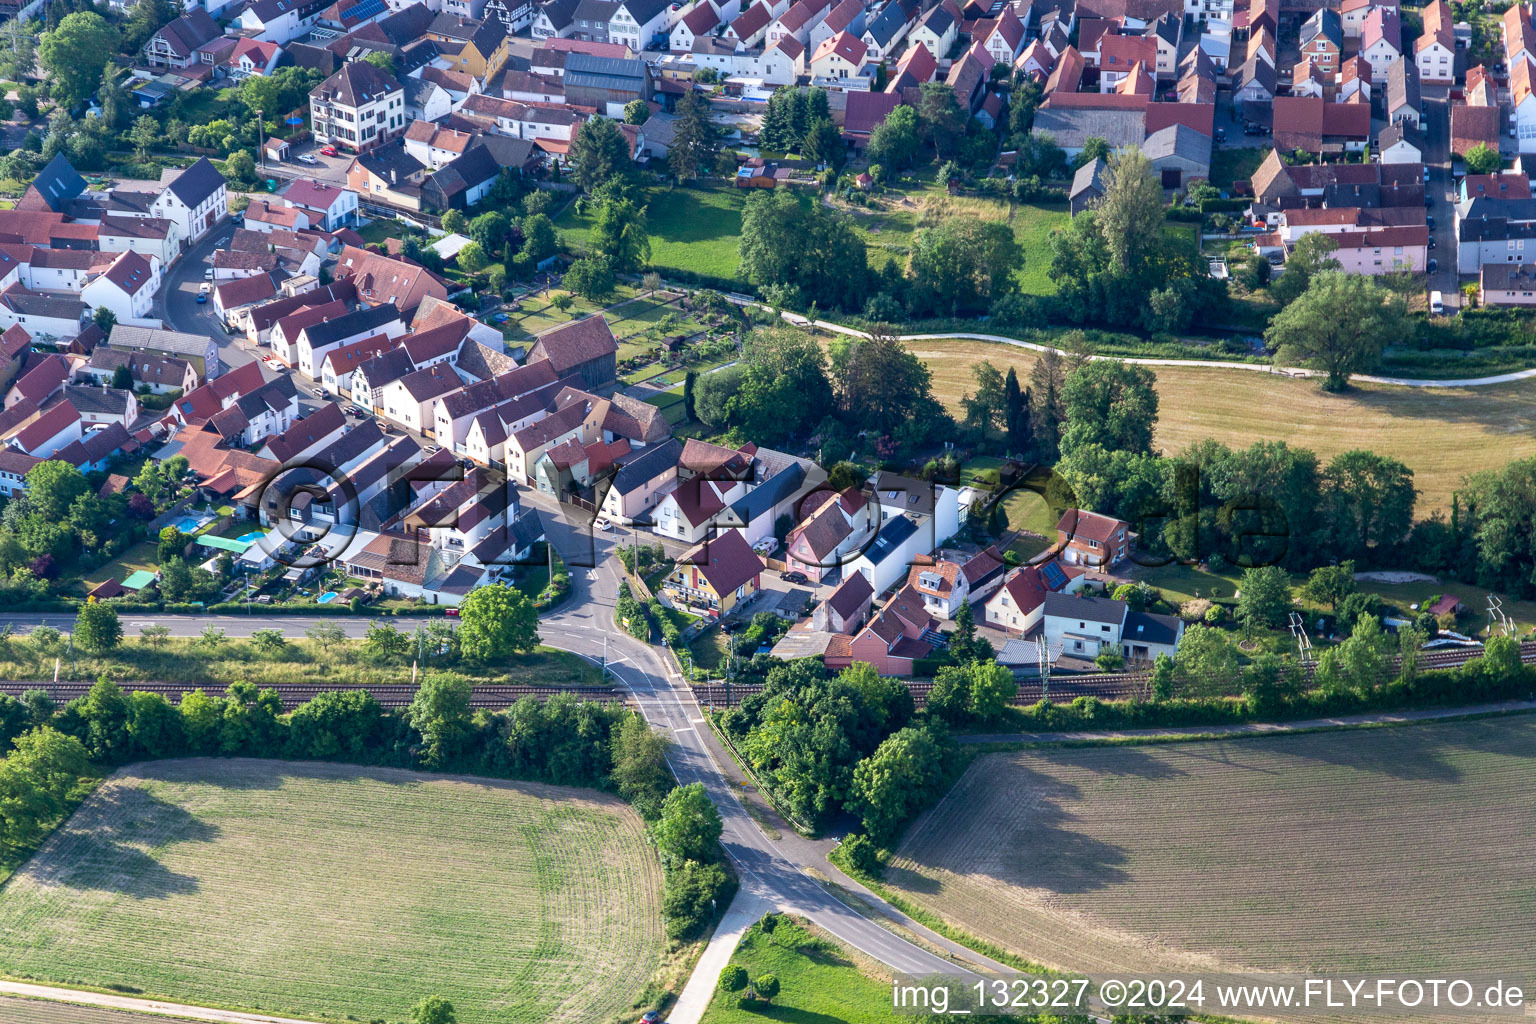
(452, 613)
(317, 392)
(307, 158)
(790, 576)
(202, 297)
(1436, 302)
(603, 523)
(329, 151)
(432, 449)
(1433, 265)
(1431, 241)
(208, 274)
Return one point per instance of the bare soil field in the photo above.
(1442, 434)
(31, 1011)
(319, 890)
(1395, 849)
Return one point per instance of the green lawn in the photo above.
(818, 981)
(692, 229)
(1231, 165)
(709, 649)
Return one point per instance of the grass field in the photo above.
(345, 892)
(819, 981)
(1396, 849)
(1442, 434)
(693, 229)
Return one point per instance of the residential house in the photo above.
(157, 374)
(1179, 155)
(55, 428)
(836, 527)
(633, 491)
(1082, 627)
(1019, 604)
(358, 108)
(1522, 105)
(894, 639)
(1006, 39)
(380, 279)
(99, 405)
(938, 29)
(200, 350)
(175, 44)
(195, 200)
(1381, 42)
(846, 608)
(316, 339)
(40, 383)
(338, 364)
(1404, 104)
(1435, 51)
(327, 206)
(1400, 144)
(127, 287)
(715, 576)
(1322, 39)
(1506, 285)
(1089, 539)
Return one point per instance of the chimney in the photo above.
(392, 176)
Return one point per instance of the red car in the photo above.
(452, 613)
(329, 151)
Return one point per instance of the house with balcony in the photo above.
(1089, 539)
(714, 577)
(358, 108)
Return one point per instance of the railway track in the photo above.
(488, 697)
(1063, 688)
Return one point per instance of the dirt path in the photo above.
(1508, 707)
(111, 1002)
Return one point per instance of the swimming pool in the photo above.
(251, 538)
(191, 524)
(327, 597)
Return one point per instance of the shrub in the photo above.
(859, 856)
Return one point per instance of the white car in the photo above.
(208, 274)
(604, 524)
(306, 158)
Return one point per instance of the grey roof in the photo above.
(1325, 22)
(359, 322)
(1256, 70)
(481, 361)
(391, 159)
(97, 400)
(649, 464)
(1403, 86)
(1178, 140)
(1085, 609)
(559, 12)
(1153, 629)
(597, 11)
(889, 22)
(1396, 132)
(783, 480)
(1089, 178)
(34, 304)
(891, 536)
(58, 183)
(386, 367)
(407, 24)
(1072, 127)
(631, 69)
(355, 84)
(155, 340)
(1488, 208)
(1496, 229)
(275, 394)
(527, 528)
(197, 183)
(644, 10)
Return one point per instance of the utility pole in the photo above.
(261, 149)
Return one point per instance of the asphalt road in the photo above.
(1437, 158)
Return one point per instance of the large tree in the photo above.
(600, 153)
(618, 232)
(1340, 325)
(497, 622)
(1110, 403)
(52, 487)
(75, 55)
(1311, 255)
(1130, 212)
(696, 139)
(894, 143)
(689, 826)
(1265, 598)
(963, 265)
(902, 776)
(804, 248)
(1369, 498)
(940, 120)
(784, 391)
(879, 383)
(440, 713)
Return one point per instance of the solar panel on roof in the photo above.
(1053, 576)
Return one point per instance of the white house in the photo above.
(328, 206)
(127, 287)
(1082, 627)
(196, 200)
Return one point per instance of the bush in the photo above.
(860, 857)
(694, 893)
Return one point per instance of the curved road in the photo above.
(772, 871)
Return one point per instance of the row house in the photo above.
(1381, 41)
(316, 339)
(1435, 51)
